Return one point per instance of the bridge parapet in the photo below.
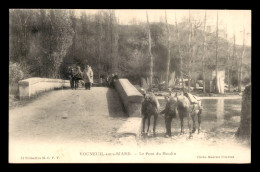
(32, 86)
(132, 99)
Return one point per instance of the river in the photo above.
(219, 121)
(221, 112)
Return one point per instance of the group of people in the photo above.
(109, 80)
(76, 75)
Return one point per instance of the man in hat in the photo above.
(88, 77)
(170, 112)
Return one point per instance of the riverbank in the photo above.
(212, 98)
(201, 95)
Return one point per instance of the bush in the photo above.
(246, 80)
(15, 73)
(135, 80)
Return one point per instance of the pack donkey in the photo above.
(150, 107)
(188, 106)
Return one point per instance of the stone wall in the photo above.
(32, 86)
(132, 99)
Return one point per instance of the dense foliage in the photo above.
(44, 43)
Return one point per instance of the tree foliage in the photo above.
(45, 42)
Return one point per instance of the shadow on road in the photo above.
(115, 106)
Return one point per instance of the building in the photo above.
(210, 80)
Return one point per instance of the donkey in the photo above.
(76, 77)
(186, 109)
(150, 107)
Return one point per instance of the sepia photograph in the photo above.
(129, 86)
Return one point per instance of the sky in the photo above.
(231, 20)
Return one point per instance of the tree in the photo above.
(19, 31)
(99, 26)
(217, 81)
(189, 52)
(46, 42)
(233, 57)
(39, 40)
(59, 39)
(114, 42)
(244, 130)
(192, 47)
(168, 54)
(150, 51)
(241, 63)
(204, 52)
(179, 52)
(228, 64)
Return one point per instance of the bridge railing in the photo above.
(32, 86)
(132, 99)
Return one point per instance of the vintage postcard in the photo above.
(129, 86)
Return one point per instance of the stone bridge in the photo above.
(85, 115)
(66, 123)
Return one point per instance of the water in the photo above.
(219, 114)
(219, 122)
(221, 109)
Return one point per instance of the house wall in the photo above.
(210, 83)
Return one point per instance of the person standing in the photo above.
(114, 78)
(70, 73)
(170, 112)
(111, 80)
(91, 77)
(107, 80)
(101, 78)
(88, 77)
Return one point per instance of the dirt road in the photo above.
(66, 115)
